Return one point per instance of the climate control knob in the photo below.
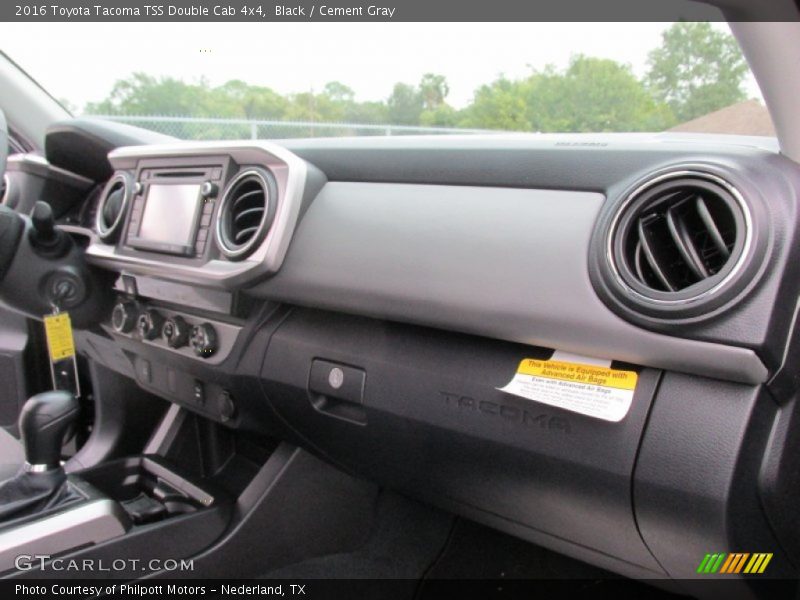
(176, 332)
(149, 324)
(123, 317)
(203, 340)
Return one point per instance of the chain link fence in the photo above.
(202, 128)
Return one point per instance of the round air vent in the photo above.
(113, 203)
(679, 242)
(246, 213)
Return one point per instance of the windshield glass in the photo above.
(280, 80)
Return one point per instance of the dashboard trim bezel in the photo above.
(266, 259)
(662, 177)
(108, 232)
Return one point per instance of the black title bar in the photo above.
(152, 11)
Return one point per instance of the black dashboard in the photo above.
(371, 299)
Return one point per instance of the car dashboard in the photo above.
(372, 299)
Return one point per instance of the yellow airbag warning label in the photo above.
(595, 390)
(58, 329)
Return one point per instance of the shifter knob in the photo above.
(44, 422)
(44, 236)
(44, 224)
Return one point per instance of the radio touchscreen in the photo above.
(169, 219)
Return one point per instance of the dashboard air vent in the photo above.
(683, 236)
(679, 238)
(113, 203)
(248, 207)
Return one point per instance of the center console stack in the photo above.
(218, 215)
(183, 228)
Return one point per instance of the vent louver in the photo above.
(248, 206)
(677, 243)
(682, 236)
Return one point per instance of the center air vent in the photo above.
(679, 240)
(248, 207)
(113, 202)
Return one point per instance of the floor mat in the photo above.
(406, 539)
(491, 564)
(415, 552)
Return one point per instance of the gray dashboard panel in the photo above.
(500, 262)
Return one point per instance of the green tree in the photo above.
(366, 112)
(306, 106)
(250, 102)
(443, 115)
(405, 105)
(338, 92)
(696, 70)
(433, 89)
(143, 94)
(502, 104)
(593, 94)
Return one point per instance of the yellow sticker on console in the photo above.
(584, 385)
(58, 329)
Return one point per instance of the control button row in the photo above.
(175, 330)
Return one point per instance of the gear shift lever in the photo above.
(41, 483)
(44, 422)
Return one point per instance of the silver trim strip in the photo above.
(748, 223)
(167, 430)
(92, 522)
(104, 232)
(218, 236)
(38, 468)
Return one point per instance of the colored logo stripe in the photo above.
(734, 562)
(711, 563)
(758, 563)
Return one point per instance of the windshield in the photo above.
(283, 80)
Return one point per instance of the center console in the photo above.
(127, 497)
(46, 511)
(186, 489)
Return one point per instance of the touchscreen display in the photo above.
(170, 213)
